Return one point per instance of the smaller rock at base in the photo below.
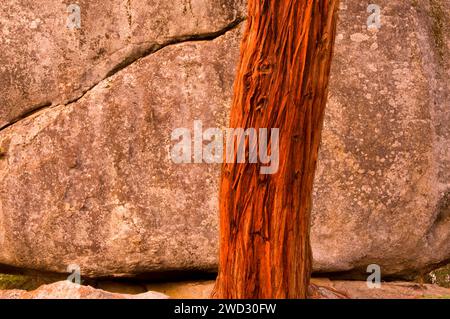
(69, 290)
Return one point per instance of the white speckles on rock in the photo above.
(359, 37)
(47, 62)
(99, 190)
(377, 205)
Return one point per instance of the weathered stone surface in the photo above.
(45, 62)
(68, 290)
(122, 288)
(322, 288)
(383, 181)
(203, 290)
(389, 290)
(184, 290)
(90, 182)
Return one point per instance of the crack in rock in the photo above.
(143, 50)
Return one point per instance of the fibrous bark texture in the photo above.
(281, 83)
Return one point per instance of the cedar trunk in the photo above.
(281, 83)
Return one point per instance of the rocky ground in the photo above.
(320, 289)
(435, 286)
(325, 288)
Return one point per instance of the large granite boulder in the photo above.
(86, 178)
(383, 185)
(91, 183)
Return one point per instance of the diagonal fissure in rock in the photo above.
(145, 49)
(30, 112)
(155, 47)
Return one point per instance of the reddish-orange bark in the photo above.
(281, 83)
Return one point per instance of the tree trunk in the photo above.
(281, 83)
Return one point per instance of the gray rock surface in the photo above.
(45, 62)
(90, 182)
(382, 188)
